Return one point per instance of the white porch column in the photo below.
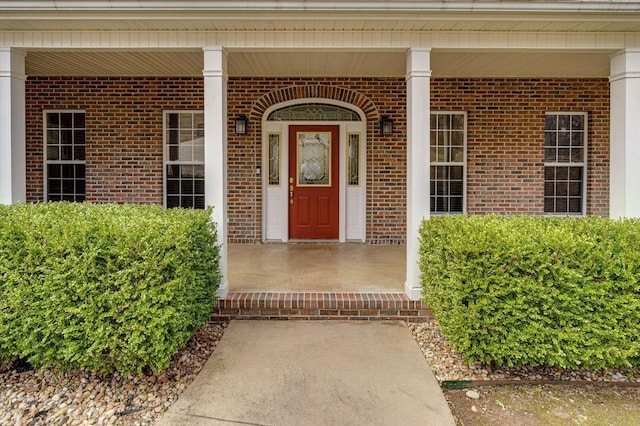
(418, 139)
(13, 186)
(624, 192)
(215, 148)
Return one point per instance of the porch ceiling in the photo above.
(317, 63)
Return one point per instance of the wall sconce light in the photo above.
(241, 125)
(386, 126)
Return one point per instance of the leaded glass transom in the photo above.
(314, 112)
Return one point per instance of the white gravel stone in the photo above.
(473, 394)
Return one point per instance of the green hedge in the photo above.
(108, 287)
(521, 290)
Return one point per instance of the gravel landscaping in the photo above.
(49, 397)
(448, 365)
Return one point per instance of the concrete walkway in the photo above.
(313, 373)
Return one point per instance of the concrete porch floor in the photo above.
(316, 267)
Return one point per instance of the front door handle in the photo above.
(290, 194)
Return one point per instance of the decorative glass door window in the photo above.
(565, 163)
(314, 159)
(448, 158)
(184, 159)
(65, 165)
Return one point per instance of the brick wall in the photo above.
(124, 131)
(505, 139)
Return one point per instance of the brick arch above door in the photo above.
(293, 93)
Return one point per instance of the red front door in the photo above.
(313, 182)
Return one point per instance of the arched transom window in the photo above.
(314, 112)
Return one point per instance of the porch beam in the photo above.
(418, 112)
(624, 189)
(12, 126)
(215, 148)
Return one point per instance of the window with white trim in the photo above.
(65, 143)
(565, 163)
(448, 158)
(184, 159)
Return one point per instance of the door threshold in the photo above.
(294, 241)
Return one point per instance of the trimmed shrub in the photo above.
(108, 287)
(522, 290)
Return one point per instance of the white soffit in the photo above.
(319, 63)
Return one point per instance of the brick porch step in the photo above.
(320, 306)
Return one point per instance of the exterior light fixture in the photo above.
(386, 126)
(241, 125)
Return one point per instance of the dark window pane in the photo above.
(576, 155)
(173, 186)
(550, 139)
(441, 204)
(68, 197)
(577, 139)
(455, 188)
(456, 205)
(187, 187)
(457, 121)
(186, 202)
(549, 205)
(78, 152)
(563, 155)
(79, 137)
(432, 121)
(78, 120)
(575, 173)
(549, 173)
(564, 139)
(199, 187)
(549, 189)
(53, 120)
(52, 153)
(66, 137)
(54, 186)
(199, 202)
(561, 205)
(80, 198)
(577, 122)
(198, 172)
(54, 170)
(575, 189)
(456, 172)
(67, 186)
(66, 120)
(432, 204)
(53, 137)
(550, 122)
(562, 189)
(173, 201)
(550, 155)
(66, 152)
(80, 186)
(80, 171)
(564, 122)
(562, 173)
(575, 205)
(441, 188)
(68, 171)
(173, 120)
(174, 153)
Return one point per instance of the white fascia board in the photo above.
(569, 6)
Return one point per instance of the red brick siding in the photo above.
(124, 131)
(505, 139)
